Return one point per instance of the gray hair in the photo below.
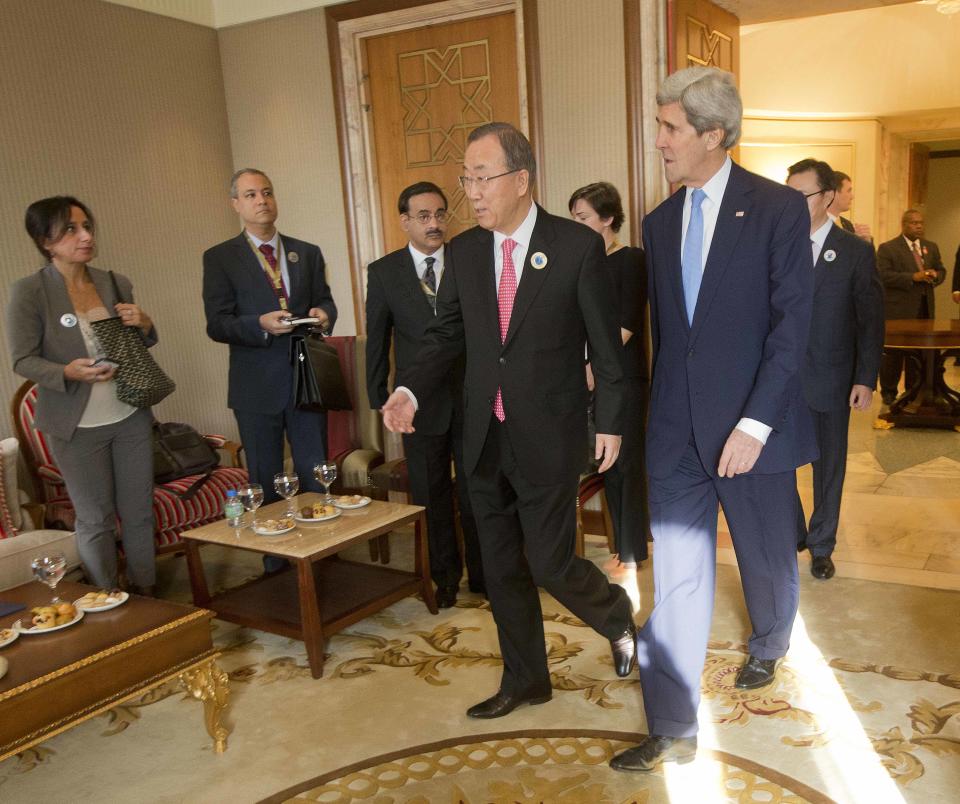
(516, 147)
(710, 99)
(244, 172)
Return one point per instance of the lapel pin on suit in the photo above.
(539, 260)
(740, 213)
(829, 255)
(68, 320)
(292, 256)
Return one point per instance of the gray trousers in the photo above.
(108, 471)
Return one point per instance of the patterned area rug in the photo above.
(865, 709)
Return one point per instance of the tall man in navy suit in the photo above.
(401, 304)
(843, 354)
(521, 295)
(731, 284)
(252, 285)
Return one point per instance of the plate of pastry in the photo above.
(318, 512)
(101, 600)
(47, 619)
(7, 636)
(273, 527)
(348, 501)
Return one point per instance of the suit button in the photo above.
(690, 353)
(503, 361)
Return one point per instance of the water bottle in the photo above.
(233, 509)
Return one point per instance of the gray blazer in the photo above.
(41, 345)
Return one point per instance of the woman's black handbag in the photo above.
(318, 382)
(139, 380)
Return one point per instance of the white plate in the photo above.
(314, 519)
(264, 532)
(32, 630)
(123, 598)
(4, 641)
(348, 506)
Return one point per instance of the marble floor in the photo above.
(900, 518)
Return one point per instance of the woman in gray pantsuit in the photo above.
(101, 445)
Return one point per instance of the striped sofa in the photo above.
(172, 515)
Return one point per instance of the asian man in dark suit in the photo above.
(843, 353)
(730, 291)
(401, 304)
(910, 268)
(522, 294)
(252, 285)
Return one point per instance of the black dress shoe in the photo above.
(477, 587)
(446, 596)
(756, 673)
(822, 567)
(624, 649)
(801, 546)
(503, 703)
(654, 750)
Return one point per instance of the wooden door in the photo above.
(703, 34)
(428, 88)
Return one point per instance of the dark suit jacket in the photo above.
(236, 292)
(846, 331)
(398, 308)
(40, 345)
(846, 224)
(557, 309)
(743, 354)
(896, 266)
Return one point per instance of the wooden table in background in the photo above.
(60, 679)
(320, 593)
(931, 402)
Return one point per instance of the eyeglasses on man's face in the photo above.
(466, 182)
(423, 218)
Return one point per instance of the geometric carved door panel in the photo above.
(428, 88)
(705, 35)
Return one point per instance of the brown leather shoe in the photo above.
(654, 750)
(503, 703)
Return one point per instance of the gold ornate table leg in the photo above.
(209, 684)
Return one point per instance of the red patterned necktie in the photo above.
(505, 295)
(917, 256)
(267, 250)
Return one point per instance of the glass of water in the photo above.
(251, 495)
(287, 484)
(326, 473)
(49, 569)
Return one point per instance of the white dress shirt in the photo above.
(819, 237)
(420, 262)
(710, 206)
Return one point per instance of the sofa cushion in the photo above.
(16, 554)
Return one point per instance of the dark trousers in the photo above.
(527, 535)
(625, 483)
(428, 468)
(262, 438)
(672, 645)
(895, 362)
(828, 473)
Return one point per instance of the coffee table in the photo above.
(60, 679)
(320, 593)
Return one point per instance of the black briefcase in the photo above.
(318, 382)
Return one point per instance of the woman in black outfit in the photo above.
(598, 206)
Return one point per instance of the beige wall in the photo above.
(126, 111)
(942, 220)
(279, 93)
(584, 98)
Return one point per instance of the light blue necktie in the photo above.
(691, 260)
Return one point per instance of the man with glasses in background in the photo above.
(521, 295)
(401, 304)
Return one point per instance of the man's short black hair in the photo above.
(421, 187)
(825, 180)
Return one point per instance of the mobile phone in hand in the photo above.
(105, 362)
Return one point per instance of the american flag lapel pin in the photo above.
(739, 213)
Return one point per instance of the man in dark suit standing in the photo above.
(253, 284)
(731, 285)
(842, 201)
(401, 304)
(522, 293)
(910, 268)
(843, 354)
